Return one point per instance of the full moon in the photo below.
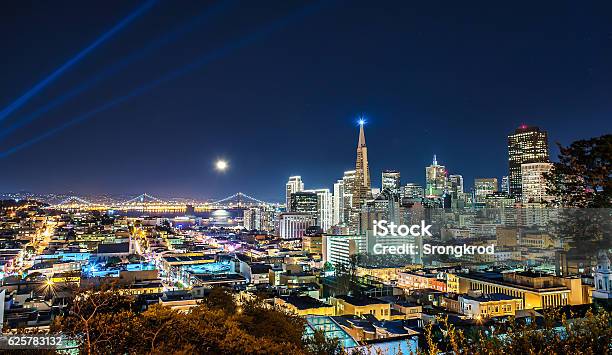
(221, 165)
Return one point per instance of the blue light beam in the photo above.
(278, 24)
(48, 80)
(114, 68)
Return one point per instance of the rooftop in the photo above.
(360, 301)
(491, 297)
(304, 302)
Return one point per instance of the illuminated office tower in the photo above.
(348, 181)
(525, 145)
(484, 187)
(533, 182)
(361, 187)
(455, 183)
(435, 177)
(385, 206)
(324, 208)
(375, 191)
(294, 224)
(304, 202)
(251, 218)
(505, 185)
(260, 218)
(412, 191)
(391, 181)
(294, 184)
(338, 249)
(361, 190)
(338, 203)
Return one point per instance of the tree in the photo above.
(582, 176)
(581, 184)
(591, 334)
(319, 344)
(100, 319)
(107, 322)
(346, 277)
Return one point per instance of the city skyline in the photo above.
(193, 177)
(376, 181)
(456, 96)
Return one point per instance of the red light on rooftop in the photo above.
(523, 126)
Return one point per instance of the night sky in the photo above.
(448, 78)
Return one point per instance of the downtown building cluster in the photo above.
(528, 272)
(350, 207)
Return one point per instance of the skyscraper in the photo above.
(412, 191)
(348, 182)
(294, 184)
(338, 203)
(391, 181)
(305, 202)
(533, 182)
(525, 145)
(505, 185)
(324, 208)
(484, 187)
(361, 188)
(455, 183)
(435, 176)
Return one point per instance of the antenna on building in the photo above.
(435, 160)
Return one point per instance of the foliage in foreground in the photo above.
(107, 323)
(591, 334)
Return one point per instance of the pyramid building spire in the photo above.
(362, 189)
(362, 142)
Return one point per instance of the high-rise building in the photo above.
(293, 224)
(505, 185)
(338, 203)
(455, 194)
(324, 208)
(533, 182)
(484, 187)
(251, 218)
(435, 177)
(304, 202)
(260, 218)
(525, 145)
(338, 249)
(294, 184)
(455, 184)
(385, 206)
(348, 181)
(391, 181)
(412, 191)
(361, 188)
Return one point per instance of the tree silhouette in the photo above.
(107, 322)
(580, 183)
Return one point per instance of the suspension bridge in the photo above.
(148, 203)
